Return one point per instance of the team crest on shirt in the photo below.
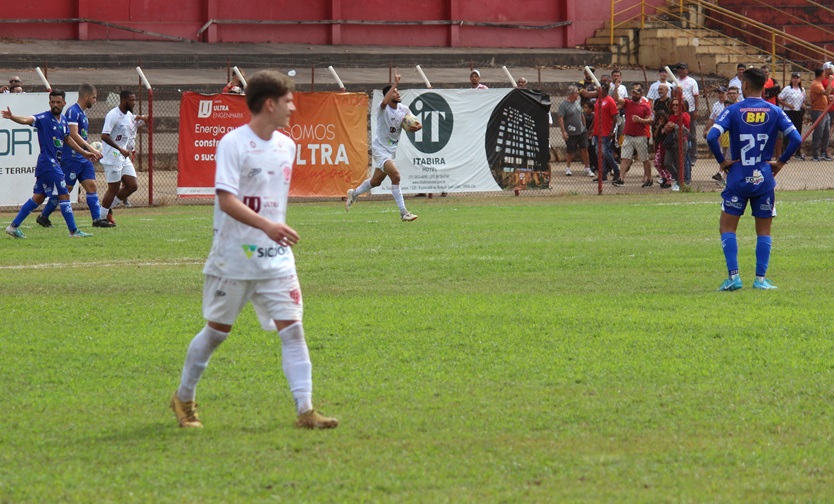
(755, 116)
(756, 179)
(287, 174)
(766, 206)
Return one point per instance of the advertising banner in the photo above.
(472, 140)
(330, 130)
(19, 147)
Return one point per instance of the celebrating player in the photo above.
(53, 132)
(119, 138)
(251, 258)
(389, 124)
(753, 125)
(76, 167)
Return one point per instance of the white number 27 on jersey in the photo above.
(748, 143)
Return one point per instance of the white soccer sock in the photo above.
(362, 189)
(297, 366)
(116, 202)
(398, 198)
(196, 360)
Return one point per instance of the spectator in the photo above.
(235, 86)
(662, 110)
(618, 89)
(653, 92)
(15, 85)
(672, 142)
(638, 119)
(736, 81)
(792, 100)
(605, 113)
(522, 82)
(827, 76)
(690, 94)
(771, 88)
(475, 80)
(733, 94)
(588, 113)
(587, 89)
(724, 140)
(574, 131)
(819, 95)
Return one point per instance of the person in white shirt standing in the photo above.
(389, 125)
(736, 81)
(118, 137)
(251, 256)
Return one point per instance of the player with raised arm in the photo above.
(251, 256)
(389, 124)
(53, 133)
(753, 125)
(76, 167)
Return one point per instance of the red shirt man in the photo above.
(605, 110)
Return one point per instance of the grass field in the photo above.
(568, 349)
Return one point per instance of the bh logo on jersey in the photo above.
(756, 179)
(205, 109)
(755, 116)
(438, 121)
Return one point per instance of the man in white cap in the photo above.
(475, 80)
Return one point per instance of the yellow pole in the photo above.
(611, 38)
(773, 47)
(642, 14)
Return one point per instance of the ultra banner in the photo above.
(472, 140)
(330, 130)
(19, 147)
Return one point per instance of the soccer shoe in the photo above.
(127, 204)
(568, 172)
(43, 221)
(408, 217)
(676, 187)
(618, 183)
(80, 234)
(14, 232)
(103, 223)
(186, 412)
(314, 420)
(349, 200)
(717, 177)
(110, 218)
(588, 172)
(731, 284)
(764, 284)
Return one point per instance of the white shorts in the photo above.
(635, 143)
(113, 172)
(273, 299)
(380, 157)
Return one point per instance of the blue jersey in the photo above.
(51, 135)
(753, 125)
(76, 115)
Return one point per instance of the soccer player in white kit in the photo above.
(251, 258)
(389, 124)
(118, 137)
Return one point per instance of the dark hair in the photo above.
(58, 92)
(86, 89)
(755, 78)
(740, 65)
(125, 94)
(817, 72)
(386, 89)
(265, 85)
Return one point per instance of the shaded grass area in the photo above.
(562, 350)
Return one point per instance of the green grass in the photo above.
(496, 350)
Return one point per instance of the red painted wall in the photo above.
(186, 17)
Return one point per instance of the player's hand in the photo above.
(281, 234)
(776, 166)
(396, 80)
(91, 156)
(124, 152)
(7, 114)
(725, 166)
(565, 135)
(416, 127)
(98, 155)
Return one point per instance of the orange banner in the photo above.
(330, 130)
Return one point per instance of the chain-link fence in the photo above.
(168, 88)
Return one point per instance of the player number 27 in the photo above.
(748, 143)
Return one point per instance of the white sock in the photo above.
(196, 360)
(398, 198)
(298, 369)
(116, 202)
(362, 189)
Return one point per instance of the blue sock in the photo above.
(730, 246)
(66, 211)
(95, 207)
(763, 246)
(50, 206)
(24, 212)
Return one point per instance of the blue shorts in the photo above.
(50, 182)
(78, 171)
(762, 205)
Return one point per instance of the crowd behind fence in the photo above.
(799, 175)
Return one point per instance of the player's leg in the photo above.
(732, 208)
(38, 196)
(113, 177)
(583, 153)
(570, 149)
(391, 171)
(87, 178)
(128, 182)
(764, 210)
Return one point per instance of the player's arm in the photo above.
(77, 148)
(279, 233)
(79, 140)
(388, 99)
(105, 137)
(27, 120)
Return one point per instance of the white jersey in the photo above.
(258, 173)
(654, 94)
(122, 129)
(389, 124)
(690, 91)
